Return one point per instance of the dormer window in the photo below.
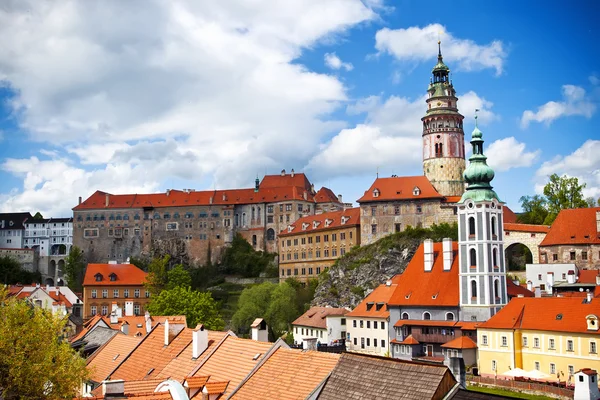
(379, 306)
(315, 224)
(304, 226)
(344, 219)
(98, 277)
(290, 228)
(370, 305)
(416, 191)
(375, 192)
(327, 222)
(592, 322)
(113, 277)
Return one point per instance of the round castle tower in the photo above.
(443, 136)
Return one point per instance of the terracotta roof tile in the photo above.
(526, 228)
(516, 290)
(575, 226)
(135, 321)
(587, 276)
(560, 314)
(196, 382)
(233, 360)
(316, 316)
(461, 342)
(375, 304)
(126, 274)
(409, 340)
(508, 215)
(141, 387)
(106, 358)
(468, 325)
(326, 195)
(400, 188)
(215, 387)
(276, 181)
(325, 221)
(434, 288)
(287, 374)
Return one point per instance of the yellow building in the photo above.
(557, 336)
(312, 244)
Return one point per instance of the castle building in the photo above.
(482, 271)
(191, 224)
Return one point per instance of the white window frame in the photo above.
(484, 340)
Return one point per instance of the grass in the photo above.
(507, 393)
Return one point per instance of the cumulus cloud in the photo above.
(334, 62)
(508, 153)
(575, 103)
(583, 163)
(138, 91)
(418, 44)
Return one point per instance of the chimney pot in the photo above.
(292, 172)
(340, 198)
(448, 254)
(589, 296)
(199, 341)
(106, 200)
(283, 172)
(79, 199)
(428, 254)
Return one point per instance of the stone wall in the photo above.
(446, 175)
(530, 239)
(583, 256)
(27, 258)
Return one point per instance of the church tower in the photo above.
(482, 274)
(443, 136)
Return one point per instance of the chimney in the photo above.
(549, 282)
(516, 282)
(210, 201)
(598, 280)
(199, 341)
(114, 388)
(79, 199)
(571, 276)
(129, 308)
(114, 306)
(589, 296)
(283, 172)
(448, 255)
(172, 329)
(168, 192)
(312, 188)
(530, 286)
(305, 195)
(340, 198)
(260, 333)
(586, 385)
(148, 322)
(125, 327)
(292, 173)
(106, 199)
(224, 197)
(428, 250)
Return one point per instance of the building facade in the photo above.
(312, 244)
(320, 325)
(12, 229)
(190, 224)
(118, 284)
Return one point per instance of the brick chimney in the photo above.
(172, 329)
(448, 255)
(79, 199)
(428, 254)
(199, 341)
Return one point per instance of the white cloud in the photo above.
(508, 153)
(140, 91)
(418, 44)
(470, 101)
(594, 80)
(575, 103)
(334, 62)
(583, 163)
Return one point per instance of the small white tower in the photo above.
(481, 251)
(586, 385)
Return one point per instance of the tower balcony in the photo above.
(442, 130)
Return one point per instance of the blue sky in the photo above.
(182, 95)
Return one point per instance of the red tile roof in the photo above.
(106, 358)
(127, 274)
(135, 321)
(508, 215)
(215, 387)
(375, 304)
(326, 195)
(575, 226)
(196, 382)
(461, 342)
(434, 288)
(316, 317)
(467, 325)
(409, 340)
(526, 228)
(277, 181)
(351, 217)
(452, 199)
(516, 290)
(400, 188)
(559, 314)
(587, 276)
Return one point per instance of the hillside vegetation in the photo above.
(364, 268)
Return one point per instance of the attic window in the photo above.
(408, 296)
(586, 236)
(375, 192)
(379, 306)
(290, 228)
(328, 222)
(139, 325)
(304, 226)
(315, 224)
(416, 191)
(434, 296)
(98, 277)
(113, 277)
(150, 371)
(370, 305)
(558, 317)
(344, 219)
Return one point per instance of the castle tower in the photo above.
(443, 136)
(482, 274)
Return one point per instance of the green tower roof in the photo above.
(478, 174)
(440, 66)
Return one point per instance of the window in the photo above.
(374, 342)
(397, 210)
(397, 227)
(525, 341)
(473, 290)
(584, 255)
(269, 219)
(504, 341)
(473, 258)
(295, 271)
(126, 293)
(116, 293)
(368, 324)
(326, 238)
(373, 211)
(354, 323)
(426, 316)
(104, 310)
(593, 349)
(571, 370)
(147, 294)
(552, 368)
(449, 316)
(172, 226)
(270, 211)
(91, 233)
(383, 343)
(382, 325)
(493, 365)
(94, 310)
(484, 340)
(374, 229)
(136, 309)
(361, 323)
(471, 227)
(136, 293)
(333, 237)
(318, 270)
(551, 344)
(374, 324)
(536, 343)
(343, 321)
(419, 209)
(554, 257)
(537, 365)
(288, 207)
(572, 256)
(104, 293)
(368, 342)
(569, 345)
(310, 240)
(405, 316)
(94, 293)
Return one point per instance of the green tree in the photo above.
(563, 193)
(178, 277)
(38, 216)
(198, 307)
(305, 293)
(36, 363)
(12, 273)
(141, 263)
(252, 304)
(280, 312)
(74, 267)
(157, 277)
(240, 258)
(535, 210)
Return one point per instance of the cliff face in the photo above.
(353, 276)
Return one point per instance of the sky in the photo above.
(144, 96)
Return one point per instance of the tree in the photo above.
(178, 277)
(36, 362)
(38, 215)
(157, 277)
(240, 258)
(563, 193)
(534, 208)
(198, 307)
(252, 304)
(12, 273)
(74, 267)
(280, 312)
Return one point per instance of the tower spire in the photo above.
(439, 50)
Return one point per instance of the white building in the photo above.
(323, 325)
(12, 227)
(367, 324)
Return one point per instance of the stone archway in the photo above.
(517, 255)
(529, 236)
(61, 267)
(49, 281)
(52, 268)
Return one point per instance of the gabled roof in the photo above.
(434, 288)
(375, 304)
(574, 226)
(106, 358)
(587, 276)
(326, 195)
(400, 188)
(287, 375)
(316, 317)
(559, 314)
(14, 220)
(409, 340)
(127, 274)
(324, 222)
(514, 290)
(461, 342)
(526, 228)
(293, 179)
(358, 376)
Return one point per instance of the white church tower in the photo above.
(482, 275)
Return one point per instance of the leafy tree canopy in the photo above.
(178, 277)
(240, 258)
(12, 273)
(36, 363)
(38, 216)
(198, 307)
(74, 267)
(535, 210)
(157, 277)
